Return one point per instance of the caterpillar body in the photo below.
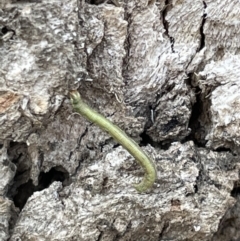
(121, 137)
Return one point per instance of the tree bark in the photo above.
(166, 72)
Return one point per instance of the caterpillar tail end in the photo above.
(145, 184)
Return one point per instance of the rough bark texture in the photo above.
(166, 72)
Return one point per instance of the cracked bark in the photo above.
(164, 71)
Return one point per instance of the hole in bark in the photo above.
(196, 112)
(196, 135)
(100, 236)
(236, 189)
(24, 191)
(195, 188)
(18, 156)
(7, 33)
(97, 2)
(146, 139)
(116, 146)
(223, 149)
(170, 125)
(165, 22)
(218, 186)
(55, 174)
(6, 29)
(16, 150)
(172, 41)
(164, 13)
(202, 43)
(104, 183)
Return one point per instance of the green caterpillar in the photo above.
(120, 136)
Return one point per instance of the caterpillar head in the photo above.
(74, 97)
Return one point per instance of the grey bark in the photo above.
(166, 73)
